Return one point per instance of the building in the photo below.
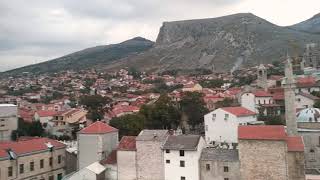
(192, 87)
(94, 171)
(305, 100)
(219, 164)
(8, 120)
(181, 157)
(221, 125)
(267, 152)
(95, 143)
(149, 158)
(126, 158)
(37, 158)
(262, 77)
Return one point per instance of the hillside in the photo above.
(222, 43)
(311, 25)
(95, 56)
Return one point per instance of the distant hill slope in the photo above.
(222, 43)
(311, 25)
(95, 56)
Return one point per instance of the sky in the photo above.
(33, 31)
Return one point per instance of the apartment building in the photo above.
(8, 120)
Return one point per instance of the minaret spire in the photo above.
(289, 85)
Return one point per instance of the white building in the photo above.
(221, 125)
(305, 100)
(181, 157)
(8, 120)
(94, 171)
(126, 158)
(95, 143)
(252, 100)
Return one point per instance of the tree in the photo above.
(271, 120)
(95, 106)
(215, 83)
(193, 105)
(316, 104)
(226, 102)
(27, 129)
(129, 125)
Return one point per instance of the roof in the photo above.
(8, 105)
(239, 111)
(152, 135)
(307, 81)
(96, 168)
(98, 128)
(127, 143)
(262, 132)
(262, 93)
(182, 142)
(295, 144)
(310, 96)
(224, 155)
(24, 147)
(111, 159)
(44, 113)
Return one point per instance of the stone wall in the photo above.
(216, 170)
(126, 161)
(296, 165)
(311, 142)
(263, 160)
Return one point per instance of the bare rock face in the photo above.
(224, 43)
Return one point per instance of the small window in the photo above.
(213, 117)
(226, 178)
(226, 116)
(41, 163)
(208, 167)
(182, 164)
(51, 177)
(21, 168)
(312, 150)
(168, 161)
(183, 178)
(50, 161)
(59, 159)
(181, 152)
(10, 171)
(298, 99)
(167, 150)
(225, 169)
(206, 127)
(31, 166)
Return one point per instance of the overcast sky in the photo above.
(32, 31)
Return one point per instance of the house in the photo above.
(307, 84)
(44, 116)
(110, 163)
(8, 120)
(94, 171)
(181, 156)
(126, 158)
(149, 156)
(95, 143)
(192, 87)
(219, 164)
(35, 158)
(277, 155)
(221, 125)
(305, 100)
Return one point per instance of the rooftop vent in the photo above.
(50, 146)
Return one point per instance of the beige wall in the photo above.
(296, 165)
(216, 171)
(8, 121)
(39, 173)
(126, 161)
(263, 160)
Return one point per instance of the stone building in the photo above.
(126, 158)
(262, 80)
(311, 56)
(37, 158)
(181, 157)
(219, 164)
(95, 143)
(149, 158)
(268, 153)
(8, 120)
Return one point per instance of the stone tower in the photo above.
(289, 85)
(262, 77)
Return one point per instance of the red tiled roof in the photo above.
(278, 96)
(264, 132)
(261, 93)
(98, 128)
(27, 146)
(310, 96)
(295, 144)
(127, 143)
(111, 159)
(43, 113)
(308, 81)
(239, 111)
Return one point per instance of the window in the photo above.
(183, 178)
(59, 177)
(259, 102)
(226, 116)
(10, 171)
(31, 166)
(51, 177)
(182, 164)
(206, 127)
(181, 152)
(208, 167)
(319, 140)
(225, 169)
(298, 99)
(167, 151)
(21, 168)
(213, 117)
(226, 178)
(312, 150)
(59, 159)
(168, 161)
(41, 163)
(50, 161)
(264, 101)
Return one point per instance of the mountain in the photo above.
(311, 25)
(95, 56)
(222, 43)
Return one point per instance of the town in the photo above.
(253, 123)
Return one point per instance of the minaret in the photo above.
(289, 85)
